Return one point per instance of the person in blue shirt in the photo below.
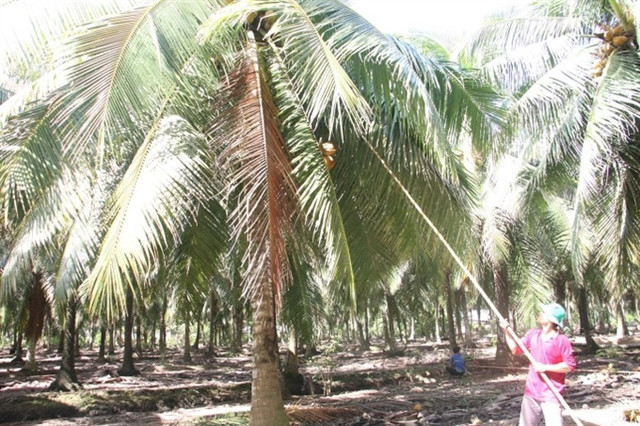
(456, 363)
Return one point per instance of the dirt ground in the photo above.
(345, 387)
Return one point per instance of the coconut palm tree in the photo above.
(247, 90)
(572, 68)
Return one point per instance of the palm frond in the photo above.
(318, 77)
(254, 154)
(316, 190)
(31, 34)
(37, 231)
(616, 229)
(159, 194)
(614, 114)
(121, 69)
(30, 161)
(302, 302)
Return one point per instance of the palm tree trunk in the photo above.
(503, 353)
(362, 338)
(66, 379)
(163, 326)
(31, 365)
(103, 343)
(292, 365)
(412, 329)
(437, 323)
(61, 343)
(366, 322)
(128, 369)
(585, 324)
(603, 316)
(479, 313)
(560, 291)
(152, 342)
(35, 322)
(468, 339)
(293, 380)
(138, 335)
(17, 348)
(77, 342)
(196, 344)
(186, 355)
(451, 327)
(213, 313)
(457, 308)
(391, 318)
(621, 330)
(238, 322)
(267, 406)
(112, 338)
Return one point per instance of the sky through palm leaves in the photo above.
(446, 20)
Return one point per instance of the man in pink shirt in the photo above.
(553, 355)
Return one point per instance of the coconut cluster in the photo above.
(616, 38)
(328, 152)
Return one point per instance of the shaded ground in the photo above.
(348, 388)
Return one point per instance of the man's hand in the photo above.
(539, 367)
(560, 367)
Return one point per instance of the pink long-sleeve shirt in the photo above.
(547, 351)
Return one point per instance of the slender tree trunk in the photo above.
(468, 339)
(621, 330)
(457, 308)
(603, 319)
(451, 327)
(186, 355)
(196, 344)
(479, 313)
(292, 366)
(163, 326)
(31, 364)
(66, 379)
(138, 335)
(503, 353)
(560, 291)
(406, 328)
(391, 319)
(267, 406)
(128, 368)
(366, 322)
(213, 313)
(111, 347)
(412, 329)
(35, 323)
(293, 380)
(152, 342)
(437, 322)
(49, 332)
(76, 345)
(103, 344)
(238, 322)
(585, 324)
(17, 348)
(92, 335)
(363, 343)
(61, 343)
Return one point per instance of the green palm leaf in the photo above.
(159, 193)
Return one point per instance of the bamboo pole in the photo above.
(475, 282)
